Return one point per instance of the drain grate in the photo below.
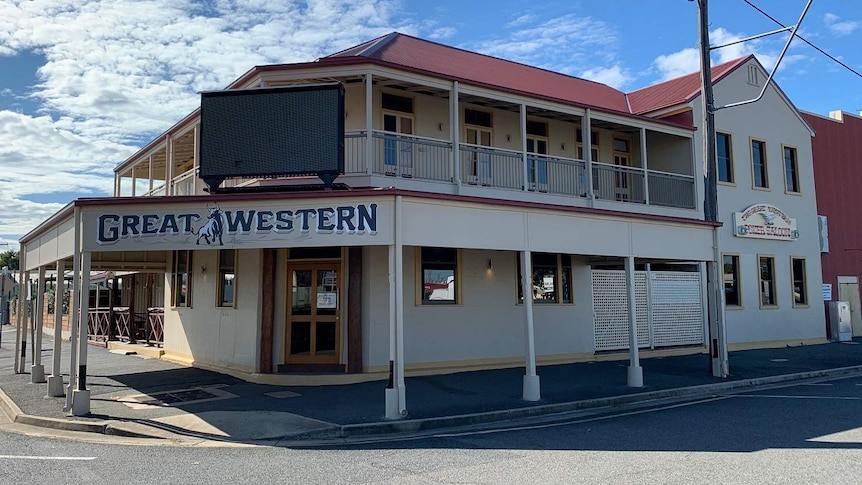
(177, 397)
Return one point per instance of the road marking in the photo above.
(16, 457)
(777, 396)
(821, 385)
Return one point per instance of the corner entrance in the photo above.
(313, 330)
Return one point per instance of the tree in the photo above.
(10, 259)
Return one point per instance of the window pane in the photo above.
(537, 128)
(767, 283)
(758, 157)
(301, 301)
(800, 291)
(566, 279)
(478, 118)
(725, 161)
(621, 145)
(397, 103)
(731, 280)
(439, 267)
(790, 170)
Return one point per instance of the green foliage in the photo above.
(10, 259)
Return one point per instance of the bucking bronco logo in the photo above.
(212, 228)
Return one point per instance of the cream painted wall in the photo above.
(771, 120)
(224, 337)
(669, 153)
(489, 324)
(513, 228)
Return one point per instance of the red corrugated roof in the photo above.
(471, 67)
(678, 90)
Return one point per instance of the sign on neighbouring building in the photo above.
(764, 221)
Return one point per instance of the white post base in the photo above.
(37, 374)
(531, 388)
(392, 405)
(635, 376)
(80, 402)
(55, 386)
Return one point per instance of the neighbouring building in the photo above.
(838, 175)
(494, 214)
(769, 241)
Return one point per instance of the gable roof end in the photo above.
(678, 90)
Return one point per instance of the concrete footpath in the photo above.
(133, 395)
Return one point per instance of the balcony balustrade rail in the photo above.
(421, 158)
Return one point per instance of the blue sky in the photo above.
(85, 83)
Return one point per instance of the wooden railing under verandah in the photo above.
(120, 323)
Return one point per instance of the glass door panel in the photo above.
(313, 316)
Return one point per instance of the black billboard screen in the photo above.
(268, 132)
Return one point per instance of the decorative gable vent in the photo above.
(753, 75)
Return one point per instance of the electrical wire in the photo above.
(845, 66)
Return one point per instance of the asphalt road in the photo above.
(809, 433)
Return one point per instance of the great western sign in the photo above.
(764, 221)
(226, 225)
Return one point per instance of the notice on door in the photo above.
(327, 299)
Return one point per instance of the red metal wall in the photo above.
(837, 151)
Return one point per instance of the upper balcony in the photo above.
(450, 138)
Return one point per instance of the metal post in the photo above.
(455, 116)
(81, 395)
(369, 124)
(587, 148)
(55, 380)
(392, 411)
(531, 384)
(74, 315)
(399, 308)
(37, 371)
(523, 124)
(635, 371)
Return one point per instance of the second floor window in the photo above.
(791, 170)
(760, 175)
(724, 157)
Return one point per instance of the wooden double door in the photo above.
(313, 324)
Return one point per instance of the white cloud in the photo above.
(564, 44)
(614, 76)
(838, 26)
(678, 63)
(687, 60)
(119, 72)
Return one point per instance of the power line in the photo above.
(803, 39)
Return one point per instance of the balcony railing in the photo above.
(421, 158)
(429, 159)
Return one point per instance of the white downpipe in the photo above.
(392, 409)
(73, 312)
(531, 384)
(649, 306)
(55, 380)
(81, 396)
(635, 371)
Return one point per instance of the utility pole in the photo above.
(715, 290)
